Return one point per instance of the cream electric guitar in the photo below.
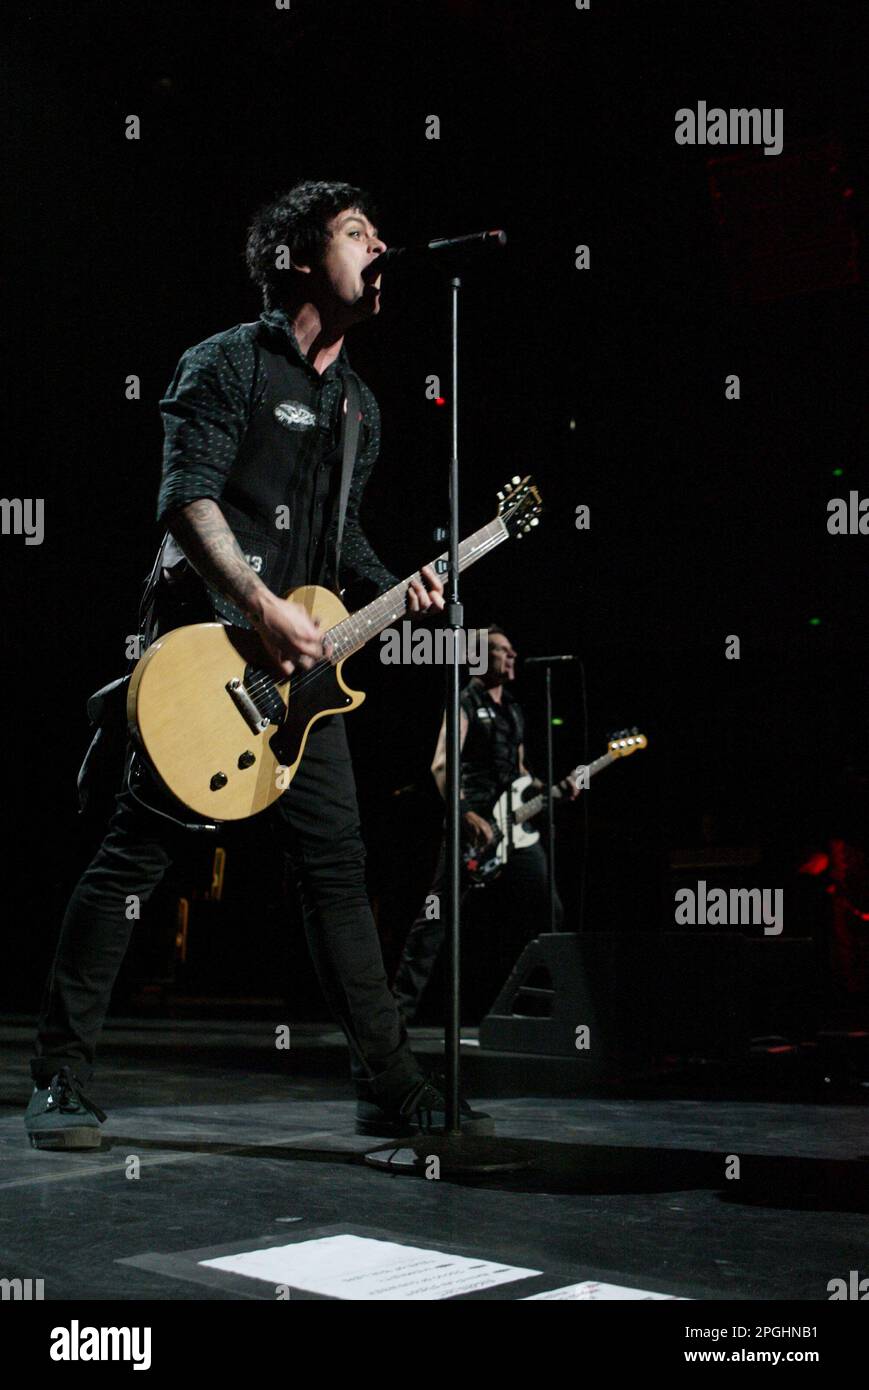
(511, 812)
(224, 734)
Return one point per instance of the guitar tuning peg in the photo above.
(635, 730)
(500, 497)
(516, 481)
(535, 521)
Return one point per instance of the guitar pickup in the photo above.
(255, 721)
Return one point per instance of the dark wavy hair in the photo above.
(297, 219)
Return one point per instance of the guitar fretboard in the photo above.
(536, 804)
(351, 634)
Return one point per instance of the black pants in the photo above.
(317, 822)
(517, 899)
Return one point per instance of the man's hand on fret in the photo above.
(428, 594)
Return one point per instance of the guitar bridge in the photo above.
(255, 721)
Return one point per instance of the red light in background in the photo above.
(816, 864)
(440, 400)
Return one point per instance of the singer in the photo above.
(492, 728)
(254, 426)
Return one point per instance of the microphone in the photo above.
(440, 247)
(547, 660)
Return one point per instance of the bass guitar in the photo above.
(511, 812)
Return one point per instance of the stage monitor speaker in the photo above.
(595, 998)
(643, 995)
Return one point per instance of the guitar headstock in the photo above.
(519, 506)
(626, 742)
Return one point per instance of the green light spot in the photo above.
(838, 472)
(557, 722)
(814, 622)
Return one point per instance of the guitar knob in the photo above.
(247, 759)
(219, 780)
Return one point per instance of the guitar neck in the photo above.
(536, 804)
(351, 634)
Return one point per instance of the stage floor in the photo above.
(243, 1148)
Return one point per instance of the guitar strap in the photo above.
(350, 422)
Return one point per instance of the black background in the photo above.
(708, 517)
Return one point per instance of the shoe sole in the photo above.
(84, 1138)
(378, 1129)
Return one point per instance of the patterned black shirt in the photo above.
(218, 386)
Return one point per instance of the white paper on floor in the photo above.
(590, 1290)
(358, 1267)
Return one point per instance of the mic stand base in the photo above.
(457, 1155)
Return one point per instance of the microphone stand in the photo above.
(455, 620)
(550, 803)
(547, 662)
(455, 1151)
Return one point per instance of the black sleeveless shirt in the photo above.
(490, 753)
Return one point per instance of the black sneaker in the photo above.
(423, 1111)
(60, 1116)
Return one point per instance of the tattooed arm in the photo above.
(290, 636)
(203, 533)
